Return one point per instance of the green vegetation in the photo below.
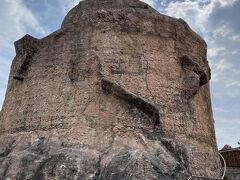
(225, 178)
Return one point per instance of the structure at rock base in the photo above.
(119, 92)
(232, 162)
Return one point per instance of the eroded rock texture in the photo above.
(119, 92)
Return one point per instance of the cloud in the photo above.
(220, 68)
(152, 3)
(196, 13)
(215, 51)
(222, 32)
(226, 2)
(16, 21)
(233, 83)
(227, 134)
(235, 121)
(225, 32)
(221, 110)
(67, 5)
(225, 76)
(235, 38)
(16, 18)
(220, 51)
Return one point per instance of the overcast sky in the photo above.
(217, 21)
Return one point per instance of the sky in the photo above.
(217, 21)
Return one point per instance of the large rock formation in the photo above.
(119, 92)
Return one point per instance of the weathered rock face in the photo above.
(119, 92)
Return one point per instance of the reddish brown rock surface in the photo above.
(119, 92)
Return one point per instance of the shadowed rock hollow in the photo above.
(119, 92)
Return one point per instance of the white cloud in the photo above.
(16, 18)
(233, 83)
(215, 51)
(152, 3)
(235, 38)
(221, 110)
(235, 121)
(225, 76)
(67, 5)
(226, 2)
(196, 13)
(2, 94)
(219, 69)
(4, 62)
(4, 71)
(227, 136)
(227, 131)
(222, 31)
(16, 21)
